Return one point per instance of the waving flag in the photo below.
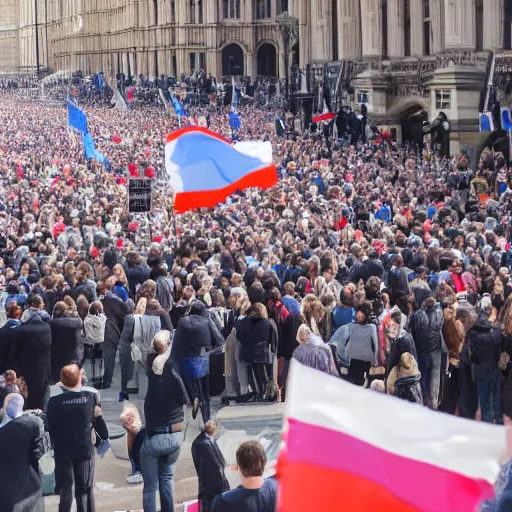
(352, 449)
(204, 168)
(76, 118)
(325, 115)
(90, 149)
(234, 121)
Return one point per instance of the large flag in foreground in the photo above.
(356, 450)
(204, 168)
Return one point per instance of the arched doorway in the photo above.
(266, 60)
(232, 60)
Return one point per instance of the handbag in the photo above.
(103, 446)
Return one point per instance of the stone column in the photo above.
(417, 27)
(349, 33)
(493, 24)
(371, 14)
(460, 29)
(395, 28)
(249, 64)
(437, 23)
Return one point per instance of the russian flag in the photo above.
(352, 449)
(204, 168)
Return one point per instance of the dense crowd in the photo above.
(384, 267)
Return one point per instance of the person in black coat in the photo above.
(21, 436)
(195, 337)
(115, 310)
(33, 345)
(210, 464)
(67, 345)
(136, 273)
(7, 338)
(372, 266)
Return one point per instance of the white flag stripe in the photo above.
(409, 430)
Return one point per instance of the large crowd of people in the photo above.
(386, 267)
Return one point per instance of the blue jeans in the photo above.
(489, 398)
(429, 365)
(158, 473)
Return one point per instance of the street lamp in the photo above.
(289, 27)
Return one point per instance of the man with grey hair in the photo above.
(21, 444)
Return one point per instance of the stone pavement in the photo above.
(236, 424)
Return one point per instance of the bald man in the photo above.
(20, 444)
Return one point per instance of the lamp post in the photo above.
(289, 27)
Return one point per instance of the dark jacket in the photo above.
(50, 299)
(484, 345)
(70, 416)
(136, 275)
(115, 310)
(372, 268)
(398, 282)
(67, 345)
(209, 463)
(194, 334)
(165, 397)
(409, 388)
(33, 345)
(8, 346)
(20, 450)
(402, 344)
(254, 336)
(426, 327)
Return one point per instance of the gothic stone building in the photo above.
(437, 53)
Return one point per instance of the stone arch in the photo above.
(232, 59)
(266, 59)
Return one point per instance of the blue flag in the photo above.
(90, 149)
(234, 121)
(77, 118)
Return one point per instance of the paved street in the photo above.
(237, 424)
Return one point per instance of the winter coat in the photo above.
(194, 335)
(356, 341)
(33, 347)
(254, 336)
(8, 345)
(400, 345)
(21, 489)
(409, 388)
(398, 282)
(67, 344)
(453, 334)
(426, 327)
(372, 268)
(136, 275)
(484, 342)
(115, 310)
(164, 292)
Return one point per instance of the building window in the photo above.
(426, 8)
(173, 11)
(192, 60)
(191, 11)
(282, 6)
(202, 61)
(231, 9)
(200, 10)
(443, 99)
(363, 97)
(263, 9)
